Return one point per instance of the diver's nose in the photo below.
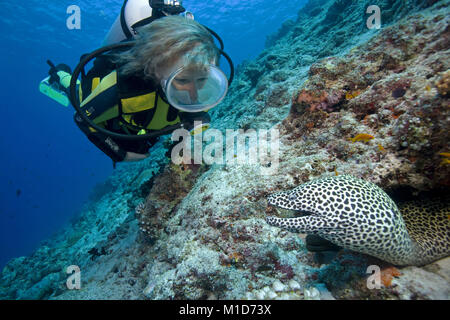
(193, 92)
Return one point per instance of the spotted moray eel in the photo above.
(357, 215)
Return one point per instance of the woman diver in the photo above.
(168, 78)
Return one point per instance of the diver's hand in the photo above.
(131, 156)
(53, 71)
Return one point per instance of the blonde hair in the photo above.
(164, 41)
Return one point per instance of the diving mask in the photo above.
(195, 89)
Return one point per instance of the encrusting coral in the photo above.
(168, 189)
(401, 82)
(443, 84)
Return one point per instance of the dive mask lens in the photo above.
(194, 89)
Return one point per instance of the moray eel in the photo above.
(358, 215)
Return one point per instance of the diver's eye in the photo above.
(182, 81)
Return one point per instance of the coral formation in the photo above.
(390, 74)
(443, 84)
(168, 189)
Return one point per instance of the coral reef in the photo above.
(201, 231)
(397, 76)
(443, 84)
(169, 188)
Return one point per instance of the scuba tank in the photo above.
(136, 13)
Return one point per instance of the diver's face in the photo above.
(191, 81)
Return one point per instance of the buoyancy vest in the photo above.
(130, 101)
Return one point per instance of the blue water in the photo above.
(48, 167)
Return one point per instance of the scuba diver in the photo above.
(161, 73)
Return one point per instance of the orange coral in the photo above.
(395, 113)
(235, 257)
(388, 274)
(321, 100)
(311, 98)
(310, 125)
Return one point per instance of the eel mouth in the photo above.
(279, 212)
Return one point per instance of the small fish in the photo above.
(445, 154)
(336, 173)
(381, 148)
(18, 192)
(428, 88)
(352, 94)
(362, 137)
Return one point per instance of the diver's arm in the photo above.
(102, 106)
(108, 145)
(102, 141)
(113, 150)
